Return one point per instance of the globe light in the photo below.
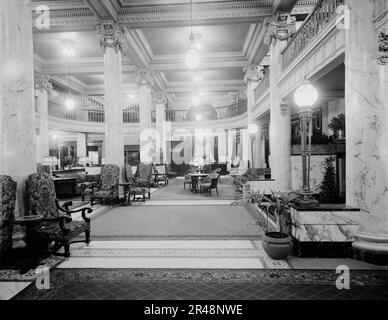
(70, 104)
(198, 117)
(68, 48)
(54, 136)
(197, 78)
(306, 95)
(192, 58)
(196, 100)
(253, 128)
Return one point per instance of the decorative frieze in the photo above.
(111, 35)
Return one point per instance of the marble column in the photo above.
(259, 148)
(366, 128)
(42, 89)
(144, 81)
(280, 124)
(81, 144)
(17, 114)
(160, 106)
(112, 41)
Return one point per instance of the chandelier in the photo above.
(192, 58)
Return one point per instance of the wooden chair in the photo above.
(143, 177)
(58, 224)
(162, 174)
(133, 189)
(109, 184)
(209, 183)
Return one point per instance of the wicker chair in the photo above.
(209, 183)
(109, 184)
(58, 224)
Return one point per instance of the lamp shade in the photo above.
(306, 95)
(192, 58)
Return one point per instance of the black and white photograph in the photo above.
(208, 152)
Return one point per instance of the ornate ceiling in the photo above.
(157, 32)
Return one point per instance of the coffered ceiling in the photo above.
(231, 37)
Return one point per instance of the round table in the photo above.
(195, 177)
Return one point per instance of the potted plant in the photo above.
(277, 241)
(337, 125)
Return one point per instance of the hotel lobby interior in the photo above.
(193, 149)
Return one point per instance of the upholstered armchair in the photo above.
(7, 208)
(58, 224)
(133, 189)
(109, 184)
(143, 177)
(161, 174)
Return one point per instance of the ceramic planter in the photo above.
(277, 246)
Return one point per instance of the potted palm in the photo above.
(277, 223)
(337, 125)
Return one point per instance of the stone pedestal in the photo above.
(366, 129)
(280, 125)
(112, 42)
(17, 114)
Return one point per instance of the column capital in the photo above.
(159, 97)
(253, 73)
(144, 77)
(281, 28)
(111, 35)
(42, 82)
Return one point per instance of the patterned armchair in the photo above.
(7, 207)
(143, 177)
(58, 224)
(133, 189)
(109, 184)
(162, 174)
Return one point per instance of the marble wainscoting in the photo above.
(325, 224)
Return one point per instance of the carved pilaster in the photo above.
(144, 77)
(159, 97)
(42, 82)
(281, 29)
(111, 35)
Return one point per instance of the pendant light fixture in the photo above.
(192, 58)
(69, 102)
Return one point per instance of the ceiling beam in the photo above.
(104, 9)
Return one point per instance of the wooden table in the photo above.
(195, 177)
(32, 252)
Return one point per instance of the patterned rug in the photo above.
(183, 284)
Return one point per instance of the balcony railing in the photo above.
(220, 113)
(312, 26)
(263, 86)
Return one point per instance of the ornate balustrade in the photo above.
(220, 113)
(322, 13)
(263, 86)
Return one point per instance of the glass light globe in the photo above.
(198, 117)
(192, 58)
(306, 95)
(196, 100)
(253, 128)
(68, 52)
(70, 104)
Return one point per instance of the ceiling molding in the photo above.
(75, 84)
(215, 85)
(104, 9)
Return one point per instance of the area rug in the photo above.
(176, 222)
(14, 275)
(204, 284)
